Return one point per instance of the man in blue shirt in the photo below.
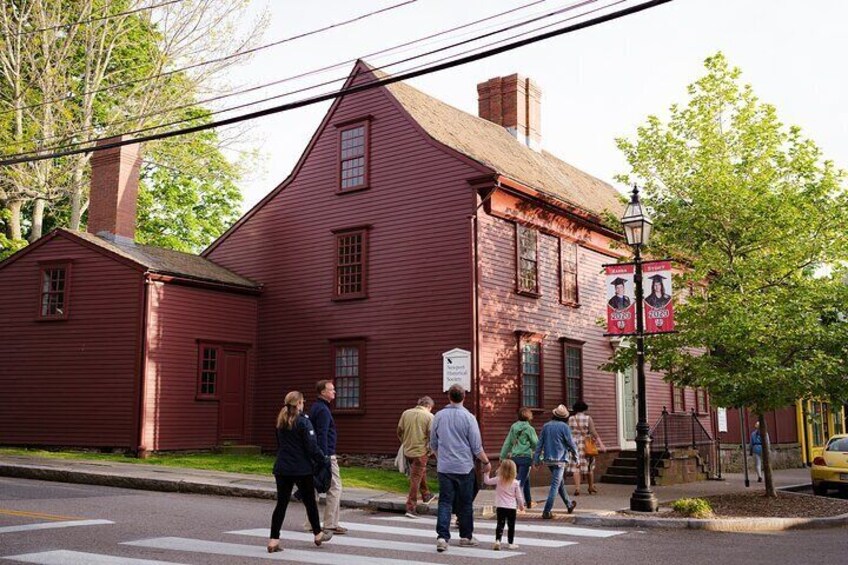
(325, 430)
(555, 443)
(455, 441)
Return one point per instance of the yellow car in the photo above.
(830, 469)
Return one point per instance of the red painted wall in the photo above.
(178, 317)
(70, 382)
(781, 423)
(504, 311)
(419, 274)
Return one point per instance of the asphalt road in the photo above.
(176, 528)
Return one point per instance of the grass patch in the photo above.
(352, 477)
(693, 507)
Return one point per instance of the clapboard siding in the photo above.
(178, 317)
(503, 312)
(70, 382)
(419, 301)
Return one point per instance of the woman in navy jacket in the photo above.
(297, 451)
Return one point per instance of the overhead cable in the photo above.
(109, 144)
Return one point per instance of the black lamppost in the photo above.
(637, 229)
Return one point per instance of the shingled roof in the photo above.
(491, 145)
(167, 261)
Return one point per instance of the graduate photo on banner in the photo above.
(659, 309)
(621, 301)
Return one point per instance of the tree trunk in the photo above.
(764, 439)
(13, 226)
(37, 219)
(77, 196)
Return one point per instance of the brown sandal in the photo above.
(593, 490)
(274, 547)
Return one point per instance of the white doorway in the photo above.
(627, 396)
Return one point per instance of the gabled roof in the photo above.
(491, 145)
(166, 261)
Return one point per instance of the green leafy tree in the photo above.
(188, 194)
(81, 69)
(754, 211)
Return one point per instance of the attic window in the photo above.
(54, 292)
(353, 157)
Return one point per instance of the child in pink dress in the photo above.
(508, 498)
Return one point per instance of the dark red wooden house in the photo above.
(407, 228)
(107, 343)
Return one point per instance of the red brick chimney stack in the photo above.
(114, 191)
(514, 102)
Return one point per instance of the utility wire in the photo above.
(90, 20)
(211, 61)
(325, 83)
(344, 91)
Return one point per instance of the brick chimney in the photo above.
(114, 191)
(514, 102)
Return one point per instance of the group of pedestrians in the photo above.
(306, 445)
(453, 437)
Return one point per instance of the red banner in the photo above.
(621, 301)
(658, 306)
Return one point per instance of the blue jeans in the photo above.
(557, 486)
(460, 487)
(523, 464)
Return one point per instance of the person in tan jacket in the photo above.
(413, 430)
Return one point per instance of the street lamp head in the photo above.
(637, 224)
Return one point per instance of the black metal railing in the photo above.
(682, 430)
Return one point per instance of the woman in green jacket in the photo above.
(519, 446)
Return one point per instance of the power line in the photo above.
(211, 61)
(90, 20)
(346, 91)
(318, 71)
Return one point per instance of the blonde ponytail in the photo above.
(290, 411)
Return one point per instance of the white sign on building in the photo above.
(721, 416)
(456, 369)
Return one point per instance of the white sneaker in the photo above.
(412, 515)
(497, 546)
(512, 546)
(441, 545)
(468, 542)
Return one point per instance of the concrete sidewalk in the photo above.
(598, 509)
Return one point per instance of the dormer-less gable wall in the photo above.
(414, 207)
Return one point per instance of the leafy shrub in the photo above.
(693, 507)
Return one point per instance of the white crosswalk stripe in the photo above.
(63, 557)
(52, 525)
(431, 534)
(319, 557)
(520, 527)
(389, 545)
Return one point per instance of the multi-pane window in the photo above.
(568, 275)
(573, 374)
(54, 286)
(207, 382)
(351, 254)
(531, 374)
(701, 401)
(347, 378)
(353, 157)
(528, 268)
(678, 399)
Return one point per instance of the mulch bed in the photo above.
(786, 505)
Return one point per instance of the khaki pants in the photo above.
(334, 496)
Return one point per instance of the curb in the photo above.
(375, 504)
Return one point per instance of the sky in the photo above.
(597, 84)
